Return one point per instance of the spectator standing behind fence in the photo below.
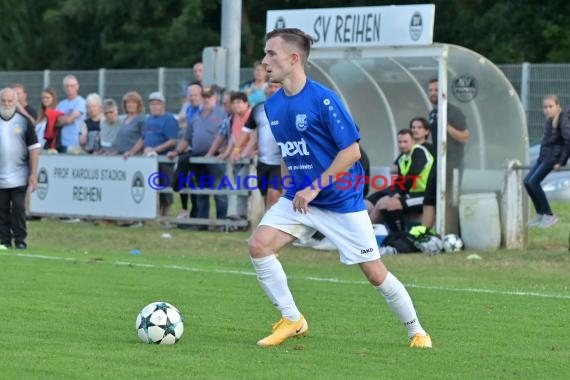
(131, 127)
(554, 153)
(185, 102)
(191, 105)
(227, 103)
(198, 71)
(73, 108)
(255, 89)
(46, 128)
(195, 104)
(19, 151)
(241, 112)
(220, 142)
(132, 122)
(109, 127)
(199, 137)
(159, 137)
(91, 128)
(25, 108)
(269, 154)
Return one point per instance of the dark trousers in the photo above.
(165, 199)
(13, 215)
(209, 176)
(532, 183)
(183, 168)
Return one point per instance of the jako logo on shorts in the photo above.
(293, 148)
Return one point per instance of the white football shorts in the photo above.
(352, 233)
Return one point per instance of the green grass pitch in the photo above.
(70, 301)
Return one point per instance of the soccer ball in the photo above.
(159, 323)
(452, 243)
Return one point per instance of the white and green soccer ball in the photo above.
(159, 323)
(452, 243)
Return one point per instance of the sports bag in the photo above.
(402, 241)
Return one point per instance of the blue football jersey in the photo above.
(310, 128)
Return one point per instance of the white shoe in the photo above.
(184, 214)
(535, 221)
(325, 245)
(547, 221)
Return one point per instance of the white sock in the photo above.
(273, 281)
(400, 302)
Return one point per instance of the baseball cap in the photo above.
(156, 96)
(208, 91)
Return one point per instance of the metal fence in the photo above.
(531, 81)
(109, 83)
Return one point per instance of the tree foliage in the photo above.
(65, 34)
(62, 34)
(507, 31)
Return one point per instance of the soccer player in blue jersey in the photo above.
(318, 140)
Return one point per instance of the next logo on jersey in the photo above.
(293, 148)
